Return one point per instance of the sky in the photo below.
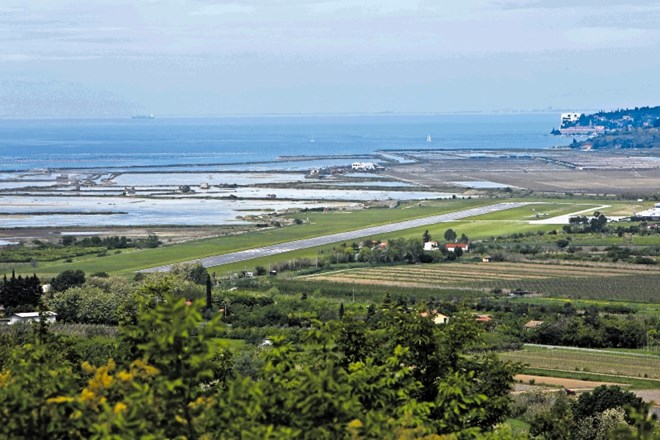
(116, 58)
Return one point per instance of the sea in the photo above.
(242, 142)
(238, 156)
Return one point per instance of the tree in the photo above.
(194, 272)
(170, 339)
(260, 270)
(19, 293)
(399, 377)
(464, 239)
(426, 237)
(562, 243)
(605, 397)
(209, 289)
(67, 279)
(88, 304)
(68, 240)
(600, 427)
(35, 373)
(556, 424)
(450, 235)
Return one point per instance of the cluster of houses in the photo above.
(451, 247)
(439, 318)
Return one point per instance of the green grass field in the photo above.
(597, 362)
(472, 228)
(539, 211)
(317, 223)
(640, 307)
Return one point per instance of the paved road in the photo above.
(265, 251)
(564, 219)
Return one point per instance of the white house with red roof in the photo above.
(451, 247)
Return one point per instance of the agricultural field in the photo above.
(588, 281)
(601, 362)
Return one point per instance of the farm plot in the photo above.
(626, 283)
(608, 363)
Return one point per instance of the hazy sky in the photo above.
(73, 58)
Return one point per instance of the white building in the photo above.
(363, 166)
(431, 246)
(27, 317)
(570, 117)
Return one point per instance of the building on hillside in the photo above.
(28, 317)
(483, 318)
(532, 324)
(570, 118)
(451, 247)
(437, 317)
(486, 259)
(431, 246)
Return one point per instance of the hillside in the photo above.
(619, 120)
(620, 129)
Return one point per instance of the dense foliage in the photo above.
(624, 128)
(620, 119)
(70, 246)
(607, 412)
(20, 294)
(397, 375)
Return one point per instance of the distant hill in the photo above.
(638, 127)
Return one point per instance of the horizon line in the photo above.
(314, 114)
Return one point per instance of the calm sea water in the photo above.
(28, 144)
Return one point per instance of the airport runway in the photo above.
(275, 249)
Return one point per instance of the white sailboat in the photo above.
(428, 138)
